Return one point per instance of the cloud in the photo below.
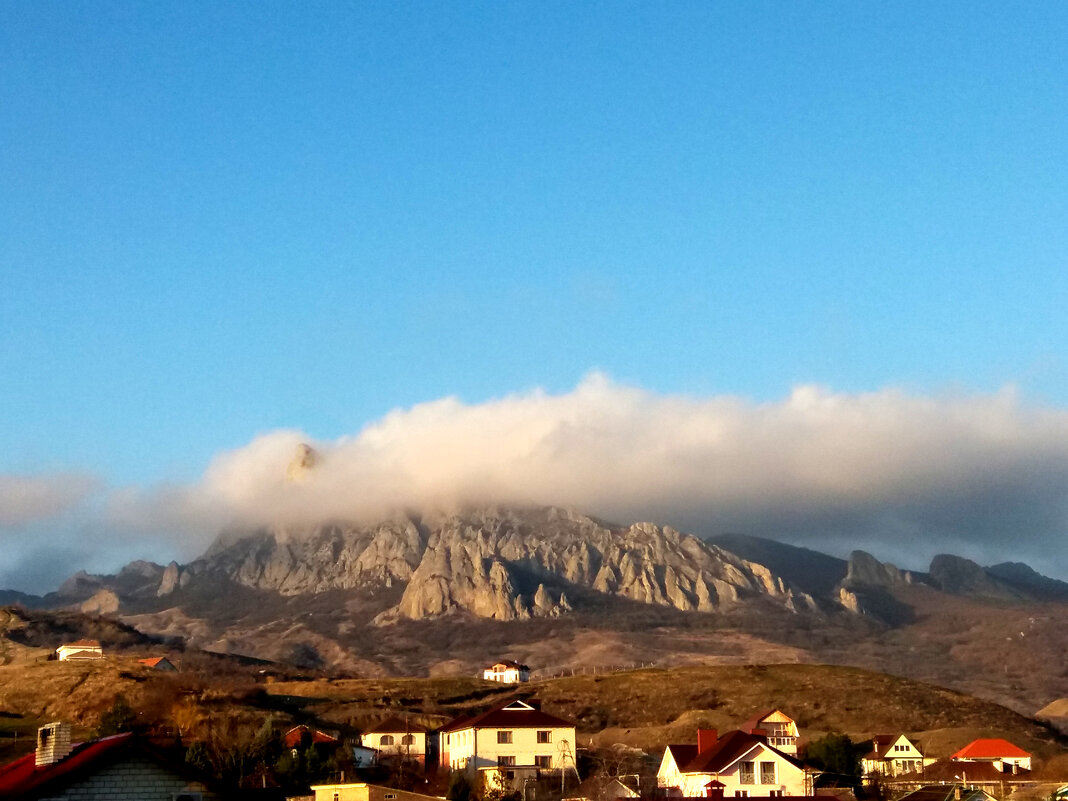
(29, 499)
(901, 475)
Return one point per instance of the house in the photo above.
(778, 727)
(507, 672)
(159, 663)
(602, 788)
(366, 792)
(893, 754)
(738, 764)
(1002, 754)
(298, 735)
(510, 742)
(122, 766)
(81, 649)
(983, 775)
(401, 738)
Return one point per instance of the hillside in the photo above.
(648, 708)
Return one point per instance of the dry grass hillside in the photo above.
(649, 708)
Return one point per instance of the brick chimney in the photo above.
(706, 738)
(53, 743)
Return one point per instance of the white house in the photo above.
(398, 737)
(1002, 754)
(507, 672)
(82, 649)
(779, 728)
(509, 742)
(738, 764)
(893, 755)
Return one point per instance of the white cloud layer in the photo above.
(29, 499)
(901, 475)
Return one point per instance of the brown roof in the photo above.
(726, 750)
(682, 754)
(509, 715)
(395, 724)
(946, 770)
(82, 644)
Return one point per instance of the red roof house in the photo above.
(1002, 754)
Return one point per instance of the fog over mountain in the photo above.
(900, 475)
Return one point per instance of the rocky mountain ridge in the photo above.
(498, 564)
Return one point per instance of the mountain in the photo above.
(443, 594)
(497, 564)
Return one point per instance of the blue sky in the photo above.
(219, 220)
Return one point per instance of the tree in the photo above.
(460, 788)
(121, 717)
(839, 758)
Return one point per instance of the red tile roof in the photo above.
(23, 775)
(504, 717)
(682, 754)
(293, 737)
(990, 748)
(153, 661)
(727, 749)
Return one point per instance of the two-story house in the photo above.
(401, 738)
(893, 755)
(507, 672)
(507, 743)
(738, 764)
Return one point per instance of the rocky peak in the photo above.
(865, 570)
(959, 576)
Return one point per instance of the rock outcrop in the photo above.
(500, 564)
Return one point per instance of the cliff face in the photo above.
(501, 564)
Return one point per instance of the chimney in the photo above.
(761, 733)
(53, 743)
(706, 738)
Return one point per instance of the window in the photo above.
(545, 736)
(504, 736)
(746, 773)
(386, 739)
(408, 739)
(767, 773)
(741, 793)
(506, 760)
(775, 793)
(543, 762)
(390, 795)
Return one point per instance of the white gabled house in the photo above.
(509, 742)
(893, 755)
(81, 649)
(507, 672)
(738, 764)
